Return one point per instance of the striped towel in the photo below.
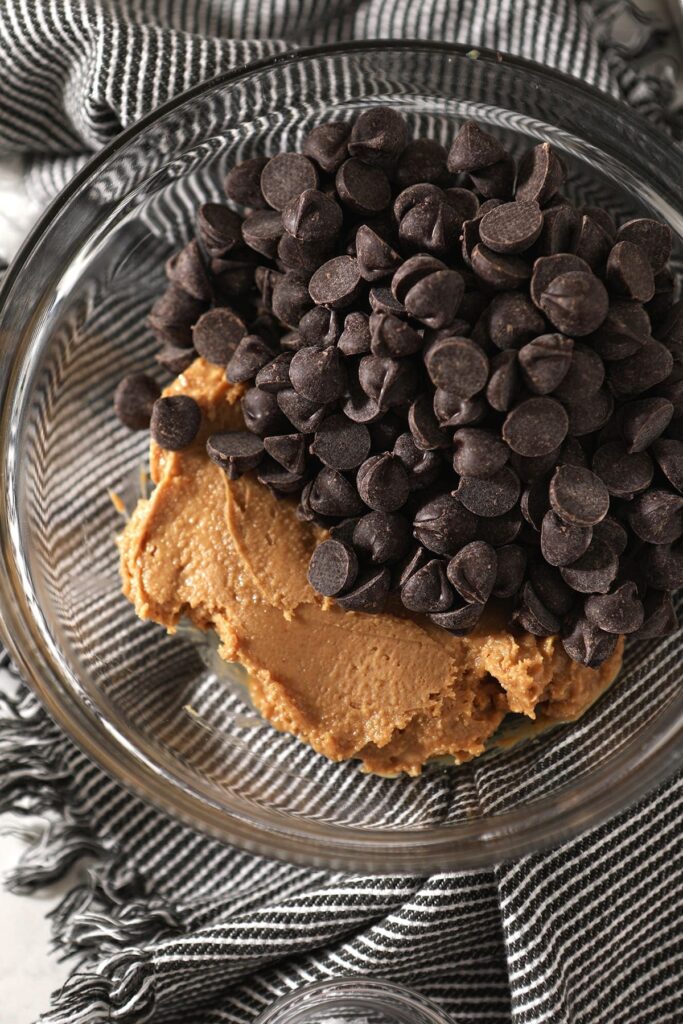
(171, 925)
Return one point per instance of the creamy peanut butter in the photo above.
(389, 689)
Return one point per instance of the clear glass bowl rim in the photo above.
(466, 845)
(361, 993)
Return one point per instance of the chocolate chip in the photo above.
(459, 620)
(629, 272)
(546, 268)
(291, 299)
(175, 359)
(289, 450)
(303, 414)
(376, 258)
(378, 136)
(663, 566)
(650, 365)
(589, 414)
(536, 426)
(382, 301)
(423, 160)
(561, 225)
(336, 283)
(612, 533)
(243, 183)
(625, 329)
(333, 568)
(473, 149)
(618, 612)
(312, 216)
(261, 412)
(251, 353)
(172, 315)
(592, 244)
(673, 391)
(134, 400)
(175, 422)
(478, 453)
(385, 432)
(424, 427)
(511, 564)
(430, 226)
(562, 543)
(189, 273)
(327, 145)
(511, 227)
(369, 593)
(391, 336)
(458, 366)
(504, 273)
(382, 537)
(495, 181)
(333, 495)
(321, 326)
(235, 451)
(388, 382)
(493, 496)
(285, 176)
(512, 319)
(533, 616)
(657, 517)
(550, 587)
(444, 525)
(452, 411)
(652, 237)
(409, 565)
(623, 472)
(354, 340)
(219, 228)
(473, 571)
(358, 406)
(594, 571)
(578, 496)
(415, 194)
(300, 258)
(588, 644)
(499, 530)
(584, 375)
(601, 217)
(575, 302)
(233, 277)
(463, 201)
(383, 482)
(423, 466)
(541, 175)
(660, 616)
(435, 298)
(504, 381)
(545, 362)
(217, 334)
(363, 188)
(535, 502)
(669, 456)
(318, 374)
(428, 589)
(411, 272)
(341, 444)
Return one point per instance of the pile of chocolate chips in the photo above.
(474, 385)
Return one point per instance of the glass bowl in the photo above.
(149, 707)
(353, 1001)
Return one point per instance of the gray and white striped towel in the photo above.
(172, 925)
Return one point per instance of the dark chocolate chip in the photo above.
(175, 359)
(601, 217)
(376, 258)
(511, 227)
(500, 530)
(435, 298)
(593, 244)
(535, 502)
(550, 587)
(591, 413)
(495, 181)
(541, 175)
(378, 136)
(473, 571)
(219, 228)
(650, 365)
(311, 216)
(612, 533)
(249, 356)
(413, 195)
(560, 227)
(511, 564)
(669, 456)
(423, 466)
(536, 426)
(430, 226)
(291, 299)
(444, 525)
(504, 381)
(382, 301)
(424, 426)
(388, 382)
(189, 273)
(341, 444)
(457, 365)
(623, 472)
(344, 530)
(243, 183)
(411, 272)
(369, 593)
(391, 336)
(663, 566)
(652, 237)
(385, 432)
(531, 467)
(234, 277)
(545, 362)
(217, 334)
(423, 160)
(235, 451)
(336, 283)
(318, 374)
(320, 326)
(261, 412)
(657, 517)
(618, 612)
(629, 272)
(576, 303)
(358, 406)
(277, 479)
(594, 572)
(660, 616)
(490, 497)
(588, 644)
(547, 268)
(289, 450)
(452, 411)
(285, 176)
(382, 537)
(458, 620)
(562, 543)
(511, 319)
(584, 375)
(134, 400)
(464, 202)
(428, 589)
(625, 329)
(172, 315)
(408, 565)
(504, 273)
(533, 616)
(333, 495)
(300, 258)
(327, 145)
(473, 148)
(383, 482)
(578, 496)
(333, 568)
(478, 452)
(363, 188)
(175, 422)
(303, 414)
(354, 340)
